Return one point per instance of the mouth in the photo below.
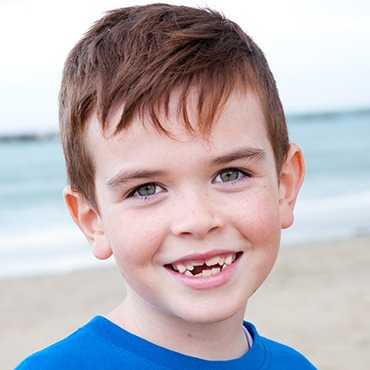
(206, 267)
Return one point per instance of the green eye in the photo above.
(146, 190)
(229, 175)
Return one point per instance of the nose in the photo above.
(195, 215)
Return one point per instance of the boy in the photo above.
(179, 166)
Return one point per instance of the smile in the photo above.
(205, 268)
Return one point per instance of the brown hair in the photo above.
(139, 55)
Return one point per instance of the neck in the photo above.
(222, 340)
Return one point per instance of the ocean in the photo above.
(37, 235)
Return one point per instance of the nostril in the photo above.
(195, 229)
(194, 215)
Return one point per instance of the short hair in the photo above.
(137, 56)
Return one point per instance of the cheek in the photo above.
(259, 217)
(259, 225)
(134, 239)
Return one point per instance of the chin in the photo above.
(213, 314)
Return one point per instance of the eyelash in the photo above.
(134, 192)
(242, 176)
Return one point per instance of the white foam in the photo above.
(58, 249)
(336, 217)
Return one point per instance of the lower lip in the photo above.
(209, 282)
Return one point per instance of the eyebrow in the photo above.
(249, 153)
(125, 176)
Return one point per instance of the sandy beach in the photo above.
(317, 299)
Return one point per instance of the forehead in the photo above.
(240, 120)
(189, 112)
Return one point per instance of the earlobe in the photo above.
(89, 222)
(291, 179)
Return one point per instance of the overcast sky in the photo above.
(319, 51)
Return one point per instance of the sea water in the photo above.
(37, 235)
(334, 202)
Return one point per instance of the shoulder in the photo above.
(60, 355)
(82, 349)
(287, 357)
(277, 355)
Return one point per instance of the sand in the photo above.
(317, 300)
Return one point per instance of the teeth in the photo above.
(181, 268)
(206, 273)
(215, 261)
(221, 261)
(229, 260)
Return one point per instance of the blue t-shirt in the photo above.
(101, 344)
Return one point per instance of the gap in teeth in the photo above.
(206, 268)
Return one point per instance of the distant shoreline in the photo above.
(308, 116)
(21, 137)
(311, 116)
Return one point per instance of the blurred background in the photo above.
(318, 51)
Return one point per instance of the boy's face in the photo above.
(168, 208)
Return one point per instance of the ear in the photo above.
(291, 178)
(89, 222)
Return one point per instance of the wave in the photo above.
(330, 218)
(53, 250)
